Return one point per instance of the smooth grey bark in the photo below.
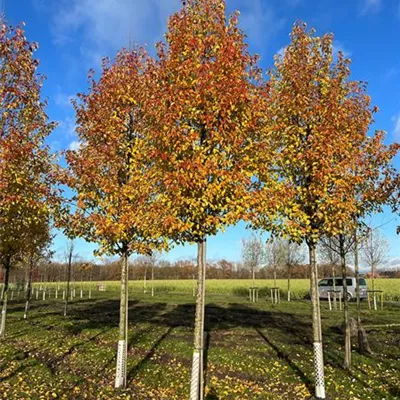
(347, 332)
(7, 268)
(334, 287)
(122, 354)
(316, 324)
(288, 282)
(363, 345)
(28, 289)
(197, 384)
(69, 268)
(145, 280)
(152, 280)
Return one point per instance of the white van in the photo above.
(326, 285)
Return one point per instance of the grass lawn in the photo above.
(253, 351)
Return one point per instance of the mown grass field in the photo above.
(235, 287)
(253, 351)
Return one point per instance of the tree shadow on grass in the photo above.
(17, 371)
(212, 395)
(288, 327)
(139, 366)
(285, 357)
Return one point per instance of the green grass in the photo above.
(299, 287)
(253, 351)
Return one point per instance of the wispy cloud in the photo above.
(281, 51)
(66, 128)
(75, 145)
(338, 46)
(391, 73)
(259, 21)
(396, 131)
(102, 26)
(63, 100)
(371, 6)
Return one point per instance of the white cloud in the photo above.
(338, 46)
(67, 127)
(75, 145)
(258, 20)
(281, 51)
(99, 28)
(63, 100)
(103, 26)
(371, 6)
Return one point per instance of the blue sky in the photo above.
(73, 35)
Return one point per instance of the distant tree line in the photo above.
(164, 270)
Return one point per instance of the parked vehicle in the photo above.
(326, 285)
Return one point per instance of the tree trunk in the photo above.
(317, 330)
(152, 281)
(347, 335)
(334, 287)
(68, 283)
(363, 345)
(90, 284)
(29, 289)
(145, 281)
(196, 385)
(288, 283)
(120, 378)
(7, 268)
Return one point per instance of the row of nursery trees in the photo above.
(283, 258)
(276, 258)
(173, 148)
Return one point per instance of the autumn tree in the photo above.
(26, 170)
(113, 204)
(203, 113)
(318, 120)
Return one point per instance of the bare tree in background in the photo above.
(293, 254)
(69, 255)
(332, 257)
(153, 260)
(275, 254)
(38, 249)
(343, 246)
(363, 345)
(374, 251)
(252, 254)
